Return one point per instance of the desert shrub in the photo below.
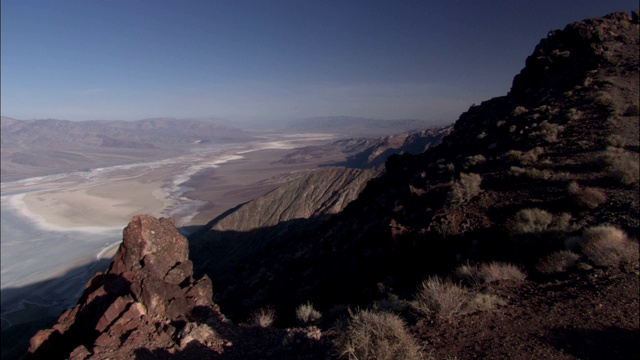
(483, 302)
(524, 157)
(588, 197)
(621, 165)
(496, 271)
(530, 220)
(557, 262)
(606, 246)
(547, 131)
(464, 189)
(519, 110)
(472, 161)
(307, 313)
(499, 123)
(467, 273)
(263, 317)
(376, 335)
(438, 298)
(530, 173)
(527, 221)
(616, 141)
(603, 99)
(572, 115)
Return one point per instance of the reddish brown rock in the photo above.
(149, 286)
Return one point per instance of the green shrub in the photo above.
(440, 299)
(307, 313)
(376, 335)
(464, 189)
(557, 262)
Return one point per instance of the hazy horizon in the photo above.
(261, 61)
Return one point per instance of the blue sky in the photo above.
(269, 60)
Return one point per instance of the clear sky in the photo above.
(269, 60)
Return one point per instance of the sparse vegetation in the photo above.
(607, 246)
(622, 165)
(377, 335)
(588, 197)
(524, 158)
(572, 115)
(616, 141)
(438, 298)
(483, 302)
(472, 161)
(493, 271)
(557, 262)
(547, 131)
(306, 313)
(537, 220)
(530, 173)
(519, 110)
(263, 317)
(464, 189)
(496, 271)
(603, 99)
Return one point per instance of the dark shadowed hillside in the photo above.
(515, 238)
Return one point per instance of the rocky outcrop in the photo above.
(147, 300)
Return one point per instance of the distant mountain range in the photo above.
(358, 127)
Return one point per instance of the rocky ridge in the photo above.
(149, 289)
(364, 153)
(562, 145)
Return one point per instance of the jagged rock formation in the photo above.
(147, 300)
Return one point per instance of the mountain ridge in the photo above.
(521, 177)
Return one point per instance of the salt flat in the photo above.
(58, 230)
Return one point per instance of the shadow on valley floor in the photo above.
(30, 308)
